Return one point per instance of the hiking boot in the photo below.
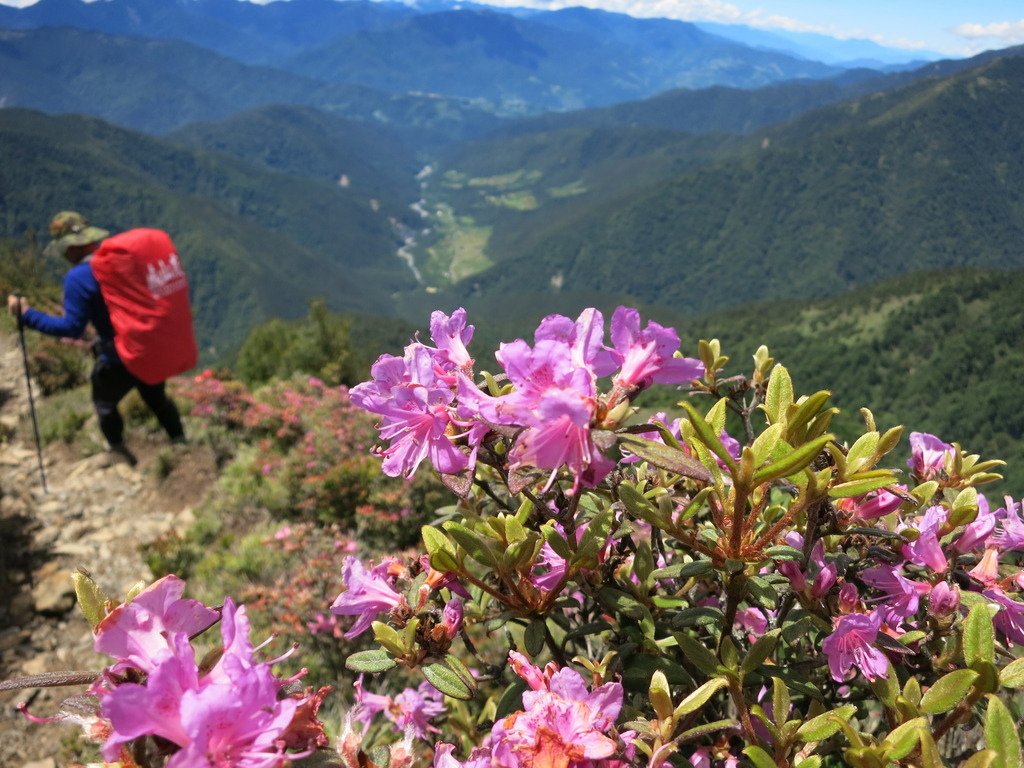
(121, 453)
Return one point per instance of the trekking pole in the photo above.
(31, 399)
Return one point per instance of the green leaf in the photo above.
(460, 669)
(779, 395)
(535, 636)
(639, 506)
(708, 436)
(447, 682)
(780, 700)
(783, 552)
(887, 688)
(697, 653)
(902, 740)
(91, 599)
(1001, 735)
(435, 541)
(660, 696)
(794, 461)
(511, 699)
(699, 731)
(859, 487)
(807, 410)
(699, 697)
(684, 570)
(759, 757)
(1012, 675)
(766, 443)
(948, 691)
(372, 661)
(860, 452)
(556, 541)
(930, 757)
(388, 637)
(665, 457)
(983, 759)
(979, 636)
(760, 651)
(825, 725)
(472, 542)
(621, 602)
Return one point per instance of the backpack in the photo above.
(146, 293)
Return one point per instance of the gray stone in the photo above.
(47, 762)
(54, 593)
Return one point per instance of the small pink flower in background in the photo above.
(872, 505)
(824, 573)
(977, 533)
(928, 455)
(987, 570)
(1010, 533)
(284, 532)
(141, 633)
(701, 758)
(753, 620)
(411, 710)
(850, 645)
(367, 594)
(452, 334)
(926, 549)
(443, 758)
(1010, 619)
(902, 595)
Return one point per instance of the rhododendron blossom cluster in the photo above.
(729, 583)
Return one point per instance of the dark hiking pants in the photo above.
(111, 381)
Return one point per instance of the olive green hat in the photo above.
(69, 228)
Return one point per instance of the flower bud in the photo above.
(849, 598)
(452, 617)
(943, 600)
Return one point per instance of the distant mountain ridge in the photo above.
(511, 64)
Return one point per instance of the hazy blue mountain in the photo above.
(819, 47)
(160, 85)
(562, 60)
(257, 34)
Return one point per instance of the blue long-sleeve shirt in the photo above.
(83, 304)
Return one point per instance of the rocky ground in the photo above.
(98, 515)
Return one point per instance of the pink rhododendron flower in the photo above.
(902, 595)
(872, 505)
(850, 645)
(987, 570)
(647, 356)
(926, 549)
(824, 573)
(451, 334)
(478, 758)
(1010, 533)
(562, 723)
(928, 455)
(367, 594)
(584, 337)
(849, 598)
(140, 633)
(977, 533)
(1010, 619)
(411, 710)
(451, 617)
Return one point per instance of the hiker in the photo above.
(77, 241)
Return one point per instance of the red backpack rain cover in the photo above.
(146, 292)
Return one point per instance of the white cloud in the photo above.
(1006, 32)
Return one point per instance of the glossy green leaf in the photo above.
(779, 394)
(759, 757)
(1001, 735)
(902, 740)
(447, 681)
(372, 661)
(1012, 675)
(535, 636)
(699, 697)
(794, 461)
(979, 636)
(697, 653)
(91, 599)
(948, 691)
(665, 457)
(760, 651)
(825, 725)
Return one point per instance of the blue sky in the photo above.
(952, 27)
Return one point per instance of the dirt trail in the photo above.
(98, 515)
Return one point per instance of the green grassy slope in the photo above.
(256, 243)
(929, 176)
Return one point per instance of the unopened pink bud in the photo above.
(453, 613)
(849, 598)
(943, 599)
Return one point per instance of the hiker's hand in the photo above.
(17, 305)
